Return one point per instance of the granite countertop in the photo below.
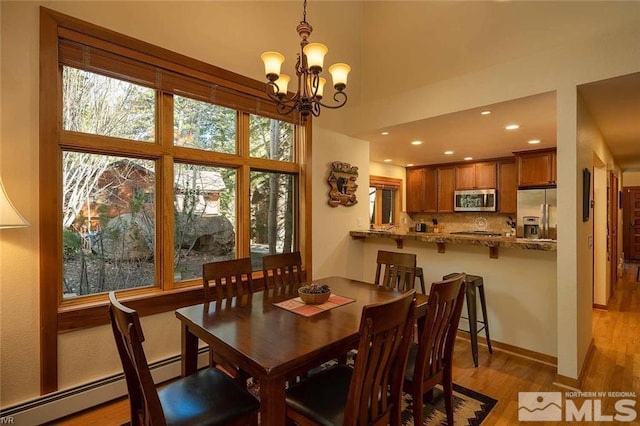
(444, 238)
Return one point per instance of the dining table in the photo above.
(272, 344)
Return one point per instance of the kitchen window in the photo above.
(153, 163)
(385, 201)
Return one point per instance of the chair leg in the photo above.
(447, 387)
(418, 406)
(483, 305)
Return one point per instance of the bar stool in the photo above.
(420, 275)
(475, 285)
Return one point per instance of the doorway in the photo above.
(631, 223)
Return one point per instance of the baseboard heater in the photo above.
(56, 405)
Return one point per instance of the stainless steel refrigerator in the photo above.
(541, 204)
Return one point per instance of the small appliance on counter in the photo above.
(421, 227)
(531, 225)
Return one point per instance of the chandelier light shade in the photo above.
(310, 90)
(9, 216)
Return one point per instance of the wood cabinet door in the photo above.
(415, 190)
(446, 186)
(486, 175)
(466, 176)
(536, 169)
(430, 189)
(507, 187)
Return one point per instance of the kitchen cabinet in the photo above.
(476, 175)
(446, 186)
(536, 168)
(422, 191)
(507, 186)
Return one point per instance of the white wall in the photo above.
(334, 252)
(631, 178)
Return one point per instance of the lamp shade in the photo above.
(9, 216)
(272, 64)
(315, 56)
(283, 83)
(339, 73)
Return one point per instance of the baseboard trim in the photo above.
(601, 307)
(567, 382)
(515, 350)
(62, 403)
(576, 384)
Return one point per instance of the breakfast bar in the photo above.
(492, 241)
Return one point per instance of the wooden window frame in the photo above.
(65, 40)
(382, 182)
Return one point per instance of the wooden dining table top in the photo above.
(271, 343)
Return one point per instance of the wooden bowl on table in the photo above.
(314, 294)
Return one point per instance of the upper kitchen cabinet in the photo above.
(507, 186)
(422, 190)
(476, 176)
(446, 186)
(536, 168)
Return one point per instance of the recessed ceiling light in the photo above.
(512, 126)
(485, 113)
(384, 133)
(387, 160)
(410, 164)
(448, 153)
(417, 143)
(534, 141)
(468, 158)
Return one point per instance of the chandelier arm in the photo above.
(341, 102)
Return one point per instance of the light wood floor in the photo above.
(615, 366)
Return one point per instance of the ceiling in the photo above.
(487, 33)
(614, 104)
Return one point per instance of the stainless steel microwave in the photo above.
(475, 200)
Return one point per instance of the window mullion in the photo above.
(243, 189)
(165, 210)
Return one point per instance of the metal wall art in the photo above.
(342, 180)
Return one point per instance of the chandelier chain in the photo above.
(304, 11)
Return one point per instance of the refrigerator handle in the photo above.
(544, 221)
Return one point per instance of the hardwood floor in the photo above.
(615, 366)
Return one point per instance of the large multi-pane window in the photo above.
(151, 164)
(162, 168)
(108, 212)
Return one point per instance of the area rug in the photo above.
(469, 407)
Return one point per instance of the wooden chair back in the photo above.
(375, 391)
(144, 402)
(227, 279)
(434, 354)
(282, 272)
(395, 270)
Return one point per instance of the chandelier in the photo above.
(307, 99)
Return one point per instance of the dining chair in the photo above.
(222, 281)
(282, 272)
(430, 360)
(227, 279)
(369, 393)
(208, 397)
(395, 270)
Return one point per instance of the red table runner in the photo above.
(297, 306)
